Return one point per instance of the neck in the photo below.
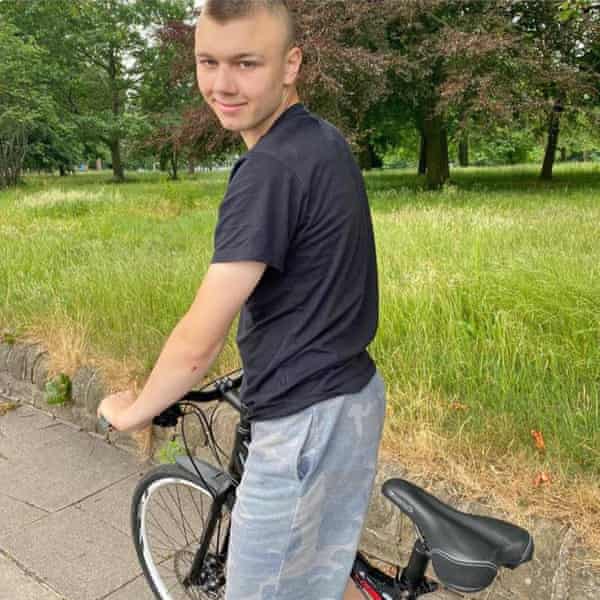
(252, 137)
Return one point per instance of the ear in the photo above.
(293, 62)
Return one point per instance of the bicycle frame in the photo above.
(235, 469)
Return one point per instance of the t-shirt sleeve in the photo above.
(259, 214)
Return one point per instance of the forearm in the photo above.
(179, 368)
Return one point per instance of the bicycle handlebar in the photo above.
(224, 389)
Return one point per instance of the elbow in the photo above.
(200, 357)
(198, 347)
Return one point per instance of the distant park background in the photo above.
(477, 124)
(427, 83)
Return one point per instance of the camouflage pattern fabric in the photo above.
(303, 499)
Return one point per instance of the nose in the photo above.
(224, 82)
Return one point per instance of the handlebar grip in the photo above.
(104, 425)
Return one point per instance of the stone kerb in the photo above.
(24, 374)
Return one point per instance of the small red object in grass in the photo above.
(541, 479)
(538, 438)
(459, 406)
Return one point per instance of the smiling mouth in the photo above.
(228, 108)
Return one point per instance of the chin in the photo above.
(233, 127)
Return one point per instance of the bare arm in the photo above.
(193, 345)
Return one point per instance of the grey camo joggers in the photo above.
(303, 499)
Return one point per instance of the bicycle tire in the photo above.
(164, 573)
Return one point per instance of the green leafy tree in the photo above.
(95, 48)
(25, 102)
(563, 81)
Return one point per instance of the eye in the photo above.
(247, 64)
(207, 63)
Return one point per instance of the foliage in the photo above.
(170, 450)
(58, 390)
(7, 406)
(119, 76)
(25, 102)
(563, 78)
(502, 145)
(571, 9)
(8, 338)
(94, 48)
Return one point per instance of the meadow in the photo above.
(490, 294)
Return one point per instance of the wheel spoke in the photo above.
(170, 513)
(186, 525)
(158, 525)
(201, 516)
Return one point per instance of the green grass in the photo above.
(490, 290)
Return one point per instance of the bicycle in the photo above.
(189, 504)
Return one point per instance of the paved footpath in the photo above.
(64, 513)
(64, 523)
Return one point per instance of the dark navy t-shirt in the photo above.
(297, 202)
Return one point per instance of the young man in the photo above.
(294, 250)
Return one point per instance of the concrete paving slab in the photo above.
(15, 584)
(138, 589)
(24, 419)
(79, 556)
(26, 429)
(113, 505)
(15, 513)
(20, 445)
(71, 468)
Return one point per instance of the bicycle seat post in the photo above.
(241, 442)
(413, 575)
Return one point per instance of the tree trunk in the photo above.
(553, 131)
(13, 146)
(563, 154)
(163, 160)
(367, 157)
(423, 154)
(62, 171)
(191, 167)
(436, 154)
(174, 165)
(445, 156)
(463, 150)
(117, 165)
(117, 111)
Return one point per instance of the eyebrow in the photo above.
(241, 56)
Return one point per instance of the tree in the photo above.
(24, 102)
(562, 79)
(453, 68)
(95, 46)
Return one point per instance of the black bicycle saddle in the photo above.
(466, 550)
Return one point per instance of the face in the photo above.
(245, 71)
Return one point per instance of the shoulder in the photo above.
(262, 166)
(302, 144)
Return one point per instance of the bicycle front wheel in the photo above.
(170, 511)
